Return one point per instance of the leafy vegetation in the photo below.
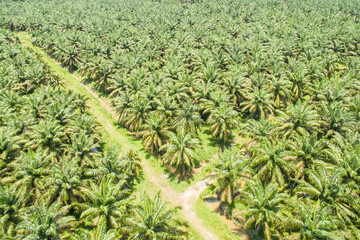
(58, 179)
(284, 74)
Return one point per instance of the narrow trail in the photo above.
(99, 107)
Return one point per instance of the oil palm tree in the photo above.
(263, 205)
(327, 187)
(188, 118)
(10, 207)
(259, 131)
(109, 164)
(9, 143)
(30, 168)
(139, 110)
(300, 118)
(179, 151)
(258, 103)
(153, 132)
(107, 203)
(42, 222)
(308, 151)
(337, 119)
(81, 148)
(222, 120)
(271, 162)
(280, 87)
(131, 164)
(64, 183)
(315, 222)
(152, 220)
(230, 168)
(48, 134)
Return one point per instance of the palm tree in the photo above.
(337, 119)
(280, 87)
(299, 119)
(48, 134)
(131, 164)
(122, 105)
(237, 86)
(81, 148)
(327, 187)
(153, 132)
(259, 131)
(188, 118)
(64, 183)
(107, 203)
(30, 168)
(109, 164)
(297, 77)
(316, 223)
(179, 151)
(43, 222)
(258, 103)
(308, 151)
(10, 206)
(348, 165)
(229, 169)
(152, 221)
(271, 162)
(139, 110)
(222, 120)
(84, 122)
(263, 206)
(97, 233)
(166, 106)
(9, 143)
(216, 98)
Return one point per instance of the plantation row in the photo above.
(284, 74)
(57, 179)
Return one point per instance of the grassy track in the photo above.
(153, 171)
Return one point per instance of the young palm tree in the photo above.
(10, 206)
(48, 134)
(263, 206)
(271, 162)
(315, 222)
(81, 148)
(222, 120)
(30, 168)
(327, 188)
(259, 131)
(43, 222)
(107, 203)
(64, 183)
(229, 169)
(153, 132)
(152, 221)
(188, 118)
(131, 164)
(179, 151)
(299, 119)
(9, 143)
(258, 103)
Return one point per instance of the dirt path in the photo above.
(186, 199)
